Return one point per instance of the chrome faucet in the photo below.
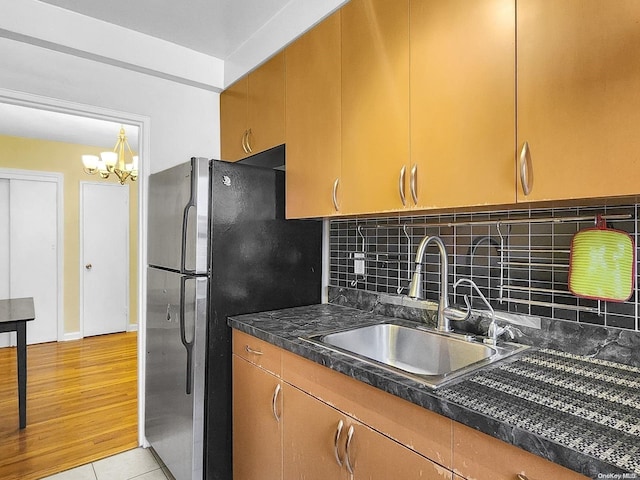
(446, 313)
(495, 330)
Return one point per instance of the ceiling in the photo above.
(19, 121)
(213, 27)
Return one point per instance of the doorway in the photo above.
(142, 123)
(104, 258)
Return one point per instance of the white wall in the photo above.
(184, 120)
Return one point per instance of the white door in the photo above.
(104, 233)
(29, 251)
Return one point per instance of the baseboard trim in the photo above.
(71, 336)
(132, 327)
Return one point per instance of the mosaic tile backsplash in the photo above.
(518, 258)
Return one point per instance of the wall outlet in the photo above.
(358, 263)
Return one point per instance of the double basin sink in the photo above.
(427, 356)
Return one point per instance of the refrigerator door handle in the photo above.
(183, 335)
(185, 222)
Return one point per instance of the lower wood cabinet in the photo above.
(294, 419)
(481, 457)
(257, 409)
(257, 425)
(314, 444)
(321, 442)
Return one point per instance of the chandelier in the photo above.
(113, 162)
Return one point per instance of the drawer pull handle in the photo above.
(347, 454)
(244, 142)
(249, 141)
(335, 443)
(251, 350)
(414, 184)
(526, 169)
(521, 477)
(335, 195)
(403, 171)
(274, 403)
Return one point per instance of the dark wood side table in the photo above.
(14, 315)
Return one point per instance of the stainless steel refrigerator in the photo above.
(218, 245)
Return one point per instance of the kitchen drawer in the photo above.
(482, 457)
(419, 429)
(257, 351)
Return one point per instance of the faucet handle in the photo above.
(508, 330)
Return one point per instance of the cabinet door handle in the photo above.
(403, 170)
(526, 169)
(249, 141)
(248, 349)
(336, 452)
(244, 142)
(274, 403)
(347, 451)
(335, 195)
(413, 183)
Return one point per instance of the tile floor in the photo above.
(136, 464)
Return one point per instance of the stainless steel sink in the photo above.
(427, 356)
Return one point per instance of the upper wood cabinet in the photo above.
(313, 121)
(252, 112)
(375, 106)
(579, 97)
(404, 105)
(462, 103)
(233, 121)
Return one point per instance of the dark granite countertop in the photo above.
(576, 411)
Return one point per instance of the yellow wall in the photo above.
(65, 158)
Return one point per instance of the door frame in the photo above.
(81, 266)
(58, 179)
(143, 123)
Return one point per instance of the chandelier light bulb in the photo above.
(90, 163)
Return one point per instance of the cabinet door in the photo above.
(310, 438)
(579, 97)
(257, 437)
(313, 122)
(376, 457)
(265, 105)
(233, 121)
(375, 104)
(481, 457)
(462, 102)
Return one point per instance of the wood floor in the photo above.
(81, 405)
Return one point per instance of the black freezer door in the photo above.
(259, 261)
